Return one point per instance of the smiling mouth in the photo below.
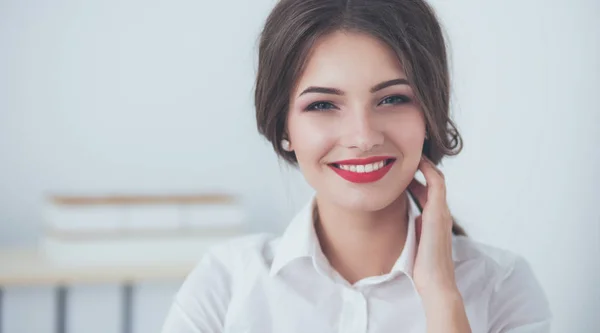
(363, 168)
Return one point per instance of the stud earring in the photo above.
(285, 144)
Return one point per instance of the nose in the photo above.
(361, 131)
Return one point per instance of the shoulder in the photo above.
(234, 261)
(497, 260)
(497, 266)
(202, 300)
(242, 251)
(516, 298)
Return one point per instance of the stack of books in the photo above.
(137, 229)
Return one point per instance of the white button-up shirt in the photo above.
(266, 284)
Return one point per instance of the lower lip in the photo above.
(366, 177)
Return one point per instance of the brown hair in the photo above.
(409, 27)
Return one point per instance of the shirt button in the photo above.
(354, 313)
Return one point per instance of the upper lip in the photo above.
(363, 161)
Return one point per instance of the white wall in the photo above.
(526, 81)
(157, 96)
(129, 96)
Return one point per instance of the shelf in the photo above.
(27, 266)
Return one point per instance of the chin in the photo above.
(365, 200)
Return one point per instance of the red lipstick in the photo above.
(357, 165)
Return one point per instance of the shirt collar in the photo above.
(300, 241)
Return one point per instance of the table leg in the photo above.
(61, 309)
(127, 303)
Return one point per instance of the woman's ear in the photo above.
(286, 145)
(285, 142)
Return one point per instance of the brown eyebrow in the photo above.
(334, 91)
(386, 84)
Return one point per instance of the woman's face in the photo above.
(354, 124)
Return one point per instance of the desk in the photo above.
(26, 266)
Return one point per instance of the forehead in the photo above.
(350, 60)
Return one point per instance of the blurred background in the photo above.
(106, 101)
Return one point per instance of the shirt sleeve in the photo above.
(518, 304)
(201, 303)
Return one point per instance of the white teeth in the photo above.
(363, 168)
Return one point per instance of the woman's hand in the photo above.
(434, 269)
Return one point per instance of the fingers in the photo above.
(432, 198)
(436, 184)
(419, 191)
(418, 227)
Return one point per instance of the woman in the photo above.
(356, 93)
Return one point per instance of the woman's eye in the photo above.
(320, 106)
(396, 99)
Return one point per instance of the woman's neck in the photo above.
(362, 244)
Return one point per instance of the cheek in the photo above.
(407, 133)
(311, 137)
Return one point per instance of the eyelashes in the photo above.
(320, 106)
(396, 99)
(328, 105)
